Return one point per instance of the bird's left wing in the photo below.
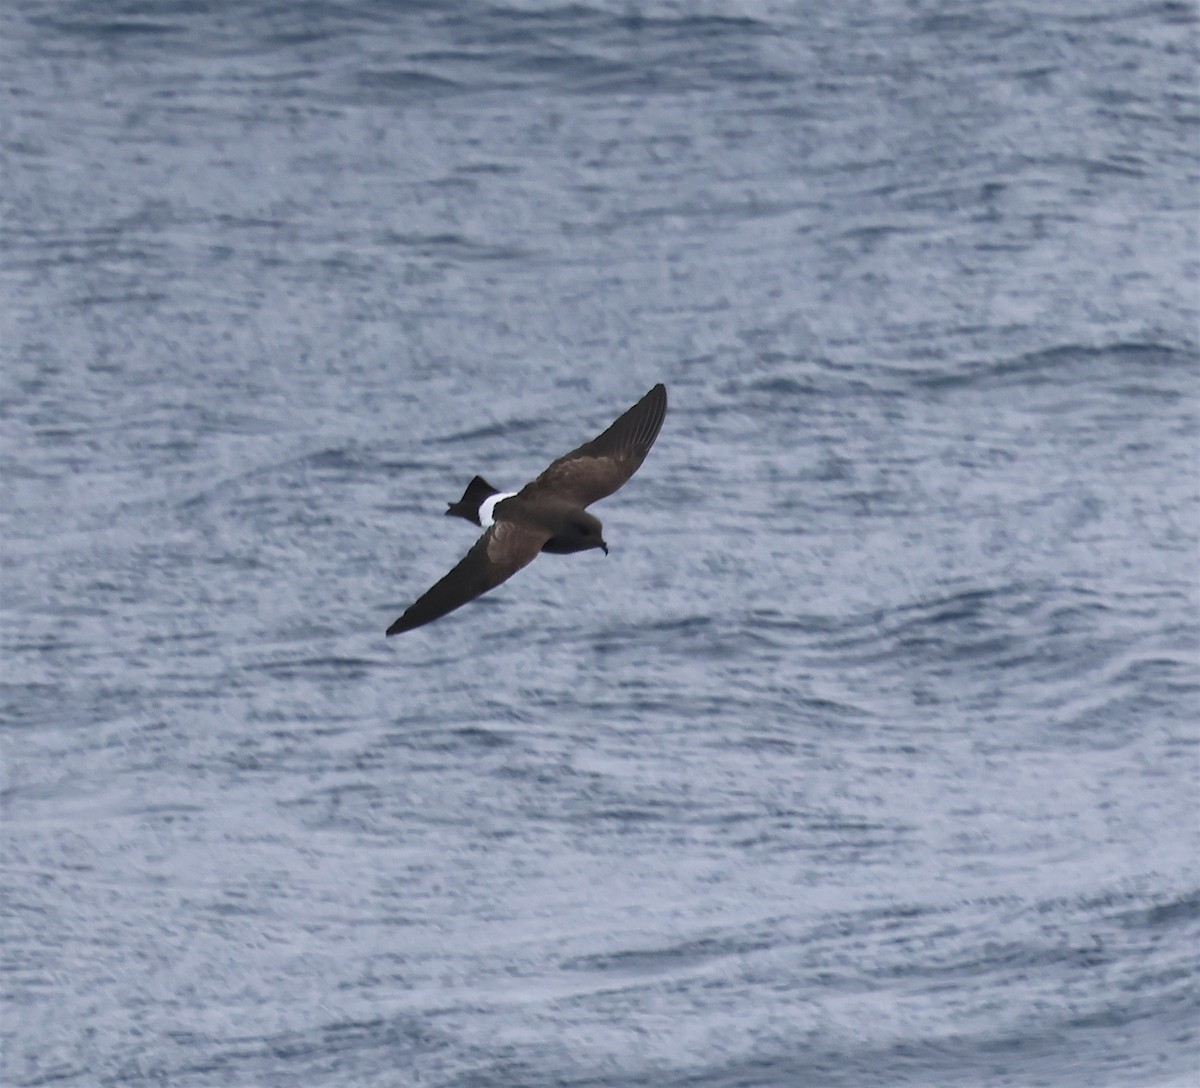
(496, 556)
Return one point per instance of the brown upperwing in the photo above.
(599, 467)
(496, 556)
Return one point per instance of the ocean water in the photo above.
(870, 754)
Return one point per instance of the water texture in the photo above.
(868, 757)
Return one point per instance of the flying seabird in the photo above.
(547, 515)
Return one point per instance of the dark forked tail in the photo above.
(468, 506)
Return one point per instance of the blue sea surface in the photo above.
(870, 756)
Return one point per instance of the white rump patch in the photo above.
(487, 508)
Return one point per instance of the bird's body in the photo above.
(547, 515)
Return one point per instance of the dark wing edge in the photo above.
(599, 467)
(494, 558)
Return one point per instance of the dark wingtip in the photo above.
(651, 418)
(401, 625)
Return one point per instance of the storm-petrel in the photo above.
(546, 515)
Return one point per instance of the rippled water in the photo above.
(868, 757)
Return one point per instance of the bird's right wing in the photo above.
(599, 467)
(496, 556)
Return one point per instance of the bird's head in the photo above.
(587, 532)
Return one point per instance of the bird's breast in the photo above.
(563, 545)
